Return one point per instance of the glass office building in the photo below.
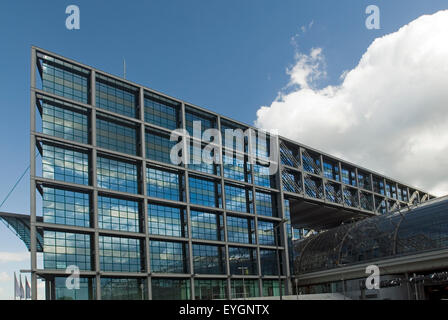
(106, 197)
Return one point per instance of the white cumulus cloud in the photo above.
(6, 257)
(389, 114)
(4, 276)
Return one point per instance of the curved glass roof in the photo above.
(20, 225)
(408, 231)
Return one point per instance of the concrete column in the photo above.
(33, 231)
(143, 187)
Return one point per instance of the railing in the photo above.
(309, 163)
(333, 194)
(350, 199)
(312, 189)
(290, 184)
(287, 156)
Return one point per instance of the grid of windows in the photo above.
(63, 249)
(170, 289)
(116, 137)
(266, 233)
(169, 257)
(207, 121)
(123, 289)
(209, 289)
(204, 160)
(245, 289)
(161, 112)
(117, 175)
(208, 259)
(271, 288)
(166, 221)
(164, 184)
(86, 290)
(114, 99)
(120, 254)
(235, 168)
(64, 123)
(205, 192)
(262, 176)
(238, 199)
(64, 79)
(240, 230)
(331, 170)
(264, 203)
(242, 260)
(65, 164)
(263, 145)
(348, 176)
(118, 214)
(158, 147)
(207, 226)
(268, 261)
(233, 137)
(66, 207)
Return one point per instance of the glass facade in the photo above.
(164, 184)
(86, 289)
(207, 226)
(116, 136)
(117, 175)
(247, 288)
(64, 249)
(185, 232)
(169, 257)
(116, 96)
(210, 289)
(123, 289)
(171, 289)
(69, 122)
(65, 164)
(158, 146)
(161, 111)
(167, 221)
(243, 261)
(205, 192)
(120, 254)
(208, 259)
(118, 214)
(66, 207)
(240, 229)
(63, 78)
(238, 198)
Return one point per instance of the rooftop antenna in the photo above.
(124, 68)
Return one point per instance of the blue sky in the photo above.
(227, 56)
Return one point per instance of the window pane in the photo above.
(166, 221)
(164, 184)
(120, 254)
(169, 257)
(66, 207)
(116, 137)
(64, 123)
(118, 214)
(63, 249)
(65, 164)
(117, 175)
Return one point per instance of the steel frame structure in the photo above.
(302, 171)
